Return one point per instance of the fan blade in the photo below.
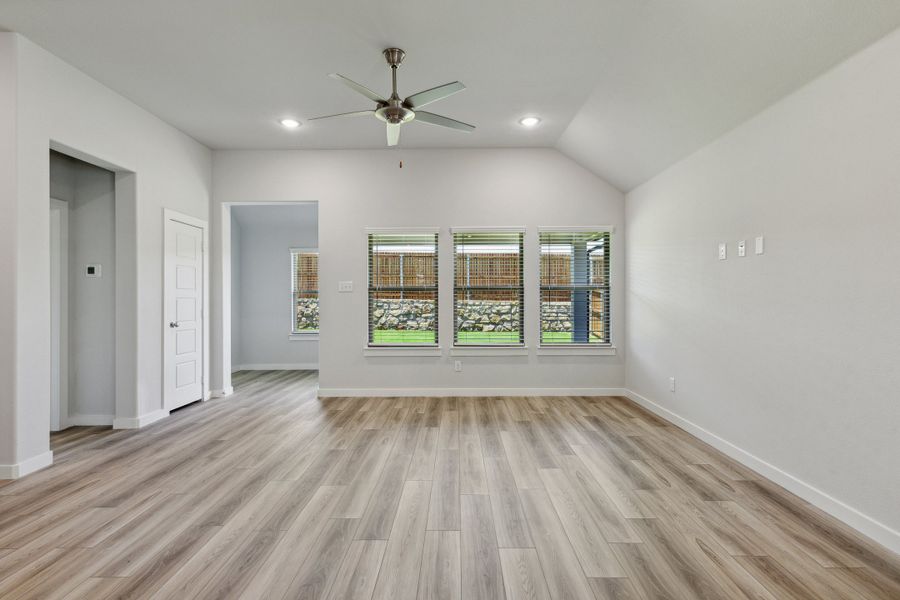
(357, 113)
(427, 117)
(393, 134)
(434, 94)
(358, 88)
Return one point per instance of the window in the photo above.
(403, 289)
(305, 290)
(487, 288)
(575, 287)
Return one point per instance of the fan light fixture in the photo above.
(529, 121)
(290, 123)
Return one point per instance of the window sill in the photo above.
(576, 350)
(304, 337)
(402, 351)
(489, 351)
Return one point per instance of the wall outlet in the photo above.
(759, 244)
(457, 366)
(723, 251)
(345, 286)
(742, 248)
(671, 384)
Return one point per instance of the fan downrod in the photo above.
(394, 111)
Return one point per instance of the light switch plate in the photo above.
(723, 251)
(742, 248)
(759, 245)
(92, 271)
(345, 286)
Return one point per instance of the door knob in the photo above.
(173, 324)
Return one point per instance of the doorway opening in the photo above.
(83, 293)
(273, 286)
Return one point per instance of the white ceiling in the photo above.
(626, 87)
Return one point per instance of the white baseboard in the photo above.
(276, 367)
(442, 392)
(27, 466)
(89, 420)
(141, 421)
(866, 525)
(221, 393)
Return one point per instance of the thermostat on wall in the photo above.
(92, 271)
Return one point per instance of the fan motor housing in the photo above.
(395, 113)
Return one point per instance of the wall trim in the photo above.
(221, 393)
(89, 420)
(441, 392)
(141, 421)
(276, 367)
(845, 513)
(27, 466)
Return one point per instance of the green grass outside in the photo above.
(563, 337)
(487, 337)
(386, 336)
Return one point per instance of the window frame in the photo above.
(606, 347)
(510, 348)
(403, 348)
(306, 333)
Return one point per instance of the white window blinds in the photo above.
(488, 295)
(403, 289)
(575, 290)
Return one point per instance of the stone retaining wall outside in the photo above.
(472, 315)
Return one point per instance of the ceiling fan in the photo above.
(395, 111)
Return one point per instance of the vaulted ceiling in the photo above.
(625, 87)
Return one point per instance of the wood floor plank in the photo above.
(614, 483)
(378, 518)
(614, 589)
(521, 461)
(482, 575)
(444, 510)
(565, 578)
(594, 554)
(422, 466)
(275, 576)
(359, 571)
(472, 477)
(398, 578)
(509, 519)
(440, 575)
(318, 572)
(523, 578)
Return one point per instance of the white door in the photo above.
(183, 314)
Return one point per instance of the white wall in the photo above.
(89, 192)
(264, 306)
(443, 188)
(792, 356)
(55, 104)
(9, 401)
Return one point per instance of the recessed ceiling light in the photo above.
(290, 123)
(529, 121)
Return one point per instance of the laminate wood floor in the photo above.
(273, 493)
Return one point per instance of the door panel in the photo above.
(183, 316)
